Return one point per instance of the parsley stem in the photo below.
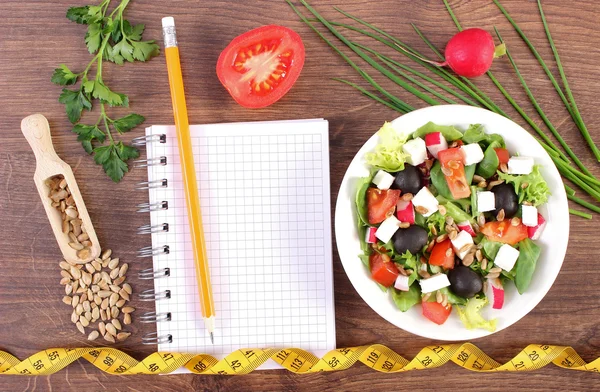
(106, 126)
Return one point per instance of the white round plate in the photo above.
(553, 240)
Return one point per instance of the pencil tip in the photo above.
(212, 338)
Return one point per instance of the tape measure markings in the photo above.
(376, 356)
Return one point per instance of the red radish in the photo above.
(466, 226)
(470, 53)
(435, 142)
(495, 292)
(405, 211)
(535, 232)
(370, 235)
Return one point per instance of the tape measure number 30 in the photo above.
(376, 356)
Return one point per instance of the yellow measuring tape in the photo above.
(376, 356)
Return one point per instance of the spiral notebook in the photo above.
(264, 195)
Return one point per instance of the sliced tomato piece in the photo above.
(260, 66)
(383, 269)
(436, 312)
(503, 155)
(442, 255)
(454, 172)
(381, 204)
(504, 232)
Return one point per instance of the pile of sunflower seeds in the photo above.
(98, 293)
(72, 225)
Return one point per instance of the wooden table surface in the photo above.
(35, 37)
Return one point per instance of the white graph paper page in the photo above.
(264, 195)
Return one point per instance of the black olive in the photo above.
(506, 199)
(408, 180)
(464, 281)
(413, 239)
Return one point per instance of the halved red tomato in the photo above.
(381, 204)
(454, 171)
(504, 232)
(260, 66)
(442, 255)
(383, 270)
(436, 312)
(503, 155)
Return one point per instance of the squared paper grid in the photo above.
(264, 195)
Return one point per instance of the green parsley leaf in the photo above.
(63, 76)
(113, 159)
(87, 134)
(79, 14)
(136, 32)
(144, 50)
(127, 152)
(75, 102)
(128, 122)
(93, 37)
(100, 91)
(123, 49)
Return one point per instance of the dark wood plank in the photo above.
(35, 38)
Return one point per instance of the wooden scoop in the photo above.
(37, 132)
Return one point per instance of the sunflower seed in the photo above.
(66, 274)
(441, 238)
(75, 272)
(404, 225)
(128, 309)
(114, 273)
(423, 274)
(86, 306)
(67, 300)
(96, 313)
(90, 294)
(80, 327)
(479, 255)
(109, 338)
(65, 226)
(494, 183)
(452, 234)
(64, 281)
(515, 221)
(87, 278)
(112, 264)
(484, 264)
(96, 278)
(468, 260)
(79, 309)
(74, 317)
(114, 297)
(111, 329)
(117, 324)
(114, 288)
(106, 254)
(105, 263)
(421, 210)
(93, 335)
(426, 297)
(495, 269)
(83, 253)
(442, 210)
(64, 265)
(68, 289)
(75, 301)
(104, 293)
(88, 316)
(465, 248)
(84, 321)
(114, 312)
(97, 300)
(447, 171)
(76, 245)
(481, 220)
(123, 335)
(120, 303)
(97, 266)
(127, 287)
(102, 327)
(438, 297)
(500, 216)
(445, 300)
(103, 315)
(127, 319)
(407, 196)
(90, 268)
(119, 280)
(493, 275)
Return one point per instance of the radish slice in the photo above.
(534, 233)
(495, 292)
(401, 283)
(466, 226)
(370, 235)
(435, 143)
(405, 211)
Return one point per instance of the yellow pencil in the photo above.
(188, 169)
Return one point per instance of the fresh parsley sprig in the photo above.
(112, 38)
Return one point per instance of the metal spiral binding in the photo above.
(143, 140)
(153, 317)
(149, 273)
(149, 229)
(150, 295)
(150, 207)
(162, 161)
(153, 184)
(149, 251)
(153, 338)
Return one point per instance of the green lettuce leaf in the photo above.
(476, 134)
(405, 300)
(537, 190)
(528, 257)
(448, 131)
(471, 317)
(388, 154)
(488, 166)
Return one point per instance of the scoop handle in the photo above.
(36, 130)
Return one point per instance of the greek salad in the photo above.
(448, 218)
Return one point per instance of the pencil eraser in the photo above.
(168, 21)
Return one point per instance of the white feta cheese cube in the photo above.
(388, 227)
(434, 283)
(416, 150)
(463, 238)
(401, 283)
(529, 215)
(486, 201)
(426, 201)
(507, 257)
(383, 180)
(472, 153)
(520, 165)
